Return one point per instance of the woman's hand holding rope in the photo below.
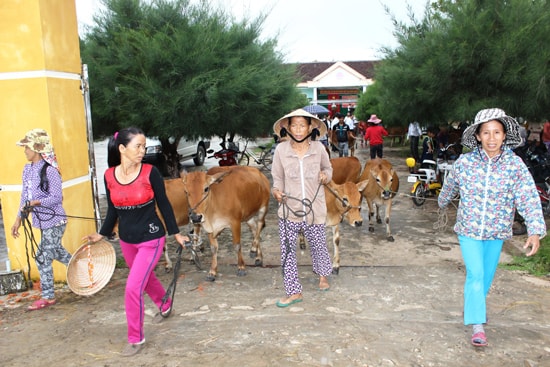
(181, 239)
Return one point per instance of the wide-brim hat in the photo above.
(91, 268)
(37, 140)
(511, 127)
(316, 123)
(374, 119)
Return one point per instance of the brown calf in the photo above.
(382, 186)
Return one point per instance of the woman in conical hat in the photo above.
(300, 167)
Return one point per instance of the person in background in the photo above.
(492, 182)
(300, 167)
(361, 129)
(442, 139)
(413, 134)
(42, 196)
(428, 144)
(133, 191)
(343, 134)
(375, 135)
(545, 134)
(350, 121)
(324, 139)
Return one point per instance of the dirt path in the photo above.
(393, 304)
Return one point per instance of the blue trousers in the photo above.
(481, 260)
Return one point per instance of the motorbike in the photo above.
(428, 180)
(226, 156)
(537, 160)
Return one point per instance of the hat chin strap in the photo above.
(299, 141)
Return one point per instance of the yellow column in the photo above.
(40, 88)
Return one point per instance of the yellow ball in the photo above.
(410, 162)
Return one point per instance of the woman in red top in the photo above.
(133, 189)
(375, 135)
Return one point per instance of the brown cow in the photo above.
(224, 197)
(343, 202)
(345, 169)
(175, 192)
(398, 133)
(381, 188)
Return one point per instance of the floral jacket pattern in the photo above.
(490, 190)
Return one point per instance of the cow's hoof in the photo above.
(252, 254)
(258, 262)
(241, 273)
(335, 271)
(379, 221)
(390, 238)
(371, 229)
(210, 277)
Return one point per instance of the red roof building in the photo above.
(335, 85)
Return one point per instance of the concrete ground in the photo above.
(393, 304)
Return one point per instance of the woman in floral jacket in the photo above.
(492, 182)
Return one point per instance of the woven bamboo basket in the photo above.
(91, 267)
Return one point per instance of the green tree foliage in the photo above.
(179, 69)
(465, 55)
(368, 103)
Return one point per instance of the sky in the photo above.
(315, 30)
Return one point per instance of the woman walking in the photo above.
(300, 167)
(133, 189)
(42, 197)
(492, 182)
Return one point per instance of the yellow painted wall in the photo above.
(40, 88)
(38, 35)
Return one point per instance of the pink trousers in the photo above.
(141, 258)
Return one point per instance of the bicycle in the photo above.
(264, 159)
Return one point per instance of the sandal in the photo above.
(323, 284)
(479, 340)
(41, 303)
(132, 348)
(162, 315)
(295, 298)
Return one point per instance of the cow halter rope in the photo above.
(345, 203)
(171, 289)
(308, 208)
(32, 248)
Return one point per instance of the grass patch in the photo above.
(120, 263)
(538, 264)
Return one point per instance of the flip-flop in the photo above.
(479, 340)
(281, 304)
(40, 304)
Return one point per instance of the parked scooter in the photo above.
(226, 156)
(428, 180)
(537, 160)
